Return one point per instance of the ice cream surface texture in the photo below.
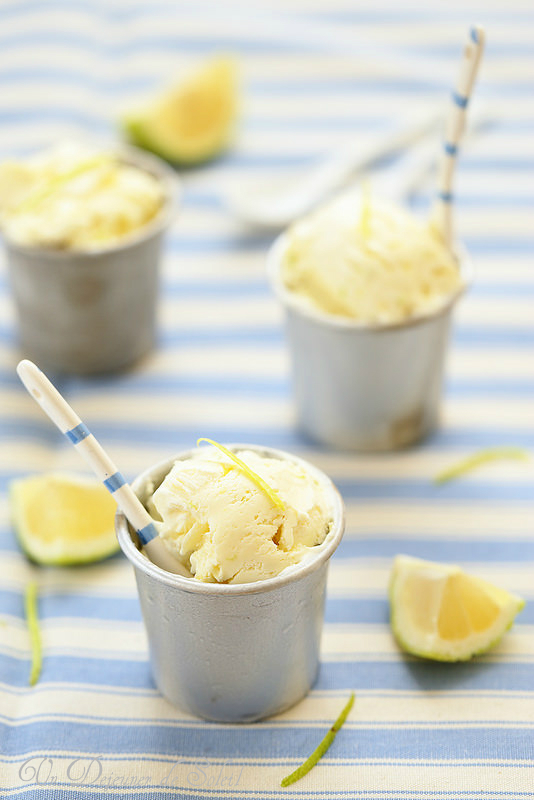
(369, 262)
(72, 197)
(225, 529)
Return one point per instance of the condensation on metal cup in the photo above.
(233, 652)
(94, 311)
(363, 387)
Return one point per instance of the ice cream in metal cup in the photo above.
(363, 386)
(86, 311)
(234, 652)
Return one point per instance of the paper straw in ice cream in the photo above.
(70, 424)
(442, 213)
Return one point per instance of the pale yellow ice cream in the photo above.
(225, 529)
(370, 262)
(73, 197)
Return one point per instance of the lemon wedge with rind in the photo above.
(62, 519)
(193, 122)
(440, 612)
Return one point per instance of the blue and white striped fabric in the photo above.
(315, 74)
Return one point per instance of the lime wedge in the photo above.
(63, 519)
(192, 122)
(438, 611)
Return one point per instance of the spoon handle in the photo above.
(70, 424)
(352, 160)
(472, 55)
(399, 183)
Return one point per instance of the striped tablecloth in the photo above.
(314, 75)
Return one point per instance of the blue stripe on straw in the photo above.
(114, 482)
(78, 434)
(450, 149)
(147, 533)
(446, 197)
(474, 35)
(460, 100)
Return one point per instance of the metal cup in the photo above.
(95, 311)
(233, 652)
(364, 387)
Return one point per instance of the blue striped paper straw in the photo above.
(442, 212)
(69, 423)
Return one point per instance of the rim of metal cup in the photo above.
(148, 162)
(318, 555)
(291, 299)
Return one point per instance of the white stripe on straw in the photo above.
(442, 212)
(69, 423)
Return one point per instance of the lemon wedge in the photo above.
(193, 122)
(438, 611)
(63, 519)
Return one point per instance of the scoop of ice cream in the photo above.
(368, 261)
(225, 529)
(73, 197)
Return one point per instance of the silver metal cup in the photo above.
(233, 652)
(95, 311)
(364, 387)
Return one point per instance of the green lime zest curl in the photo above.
(478, 459)
(321, 748)
(36, 197)
(366, 210)
(271, 493)
(32, 618)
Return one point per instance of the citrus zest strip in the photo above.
(271, 493)
(477, 459)
(321, 748)
(32, 618)
(56, 183)
(365, 217)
